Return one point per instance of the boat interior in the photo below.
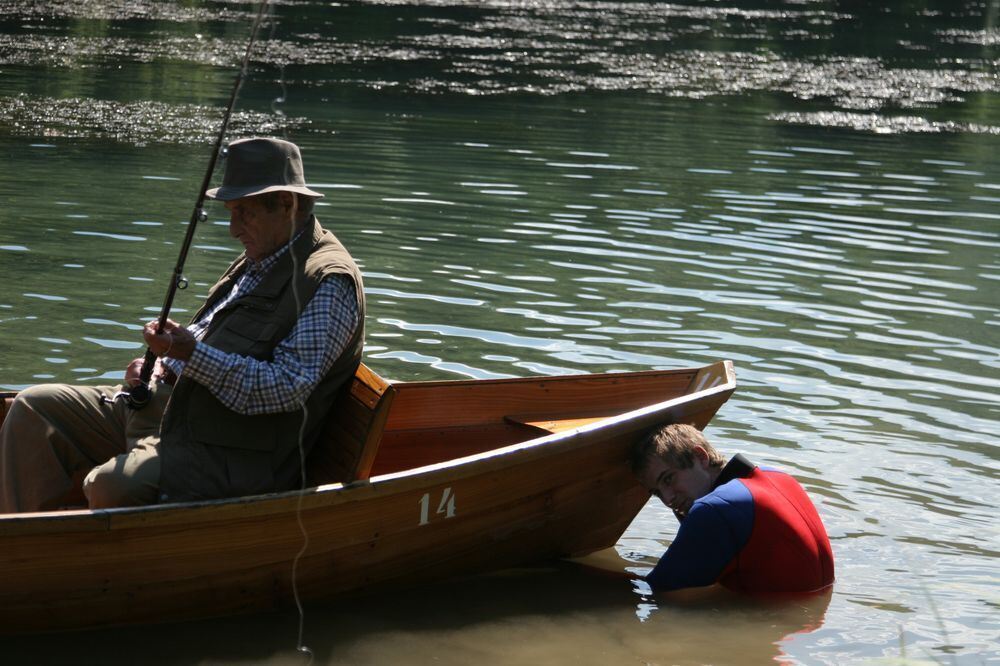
(379, 427)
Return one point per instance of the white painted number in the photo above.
(446, 506)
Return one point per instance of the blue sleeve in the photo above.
(713, 533)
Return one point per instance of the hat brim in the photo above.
(229, 193)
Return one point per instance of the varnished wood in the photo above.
(556, 424)
(528, 480)
(470, 402)
(353, 431)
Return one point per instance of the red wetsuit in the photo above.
(756, 531)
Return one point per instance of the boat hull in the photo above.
(564, 492)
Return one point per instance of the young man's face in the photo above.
(678, 488)
(261, 231)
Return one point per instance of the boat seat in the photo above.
(552, 424)
(352, 433)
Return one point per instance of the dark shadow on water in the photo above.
(554, 614)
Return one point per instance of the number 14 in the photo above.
(446, 506)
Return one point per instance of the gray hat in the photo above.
(255, 166)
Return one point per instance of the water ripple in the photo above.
(136, 122)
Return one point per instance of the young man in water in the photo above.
(748, 528)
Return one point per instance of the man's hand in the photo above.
(175, 341)
(132, 372)
(161, 373)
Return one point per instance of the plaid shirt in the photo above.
(250, 386)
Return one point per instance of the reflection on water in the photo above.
(139, 122)
(548, 615)
(817, 52)
(808, 189)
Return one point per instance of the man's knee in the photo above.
(28, 400)
(123, 481)
(53, 404)
(41, 394)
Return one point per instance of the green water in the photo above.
(809, 189)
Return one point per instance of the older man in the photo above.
(749, 528)
(238, 395)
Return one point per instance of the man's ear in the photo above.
(700, 455)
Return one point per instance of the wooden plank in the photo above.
(555, 424)
(408, 449)
(428, 404)
(373, 439)
(711, 376)
(352, 431)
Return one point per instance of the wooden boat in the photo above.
(411, 482)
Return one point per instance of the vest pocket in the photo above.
(250, 328)
(246, 334)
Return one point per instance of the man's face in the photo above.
(678, 488)
(261, 231)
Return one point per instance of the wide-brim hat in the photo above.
(260, 165)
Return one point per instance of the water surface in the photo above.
(807, 188)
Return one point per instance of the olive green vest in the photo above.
(206, 449)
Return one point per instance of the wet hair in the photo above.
(674, 444)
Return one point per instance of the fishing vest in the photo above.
(206, 449)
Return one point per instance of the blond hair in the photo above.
(674, 444)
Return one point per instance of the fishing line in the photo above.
(302, 460)
(299, 646)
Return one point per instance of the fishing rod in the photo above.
(138, 396)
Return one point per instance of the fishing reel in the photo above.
(136, 397)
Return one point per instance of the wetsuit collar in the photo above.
(738, 467)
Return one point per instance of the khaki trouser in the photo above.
(60, 440)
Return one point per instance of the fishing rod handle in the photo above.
(138, 396)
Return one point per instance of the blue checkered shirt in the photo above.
(250, 386)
